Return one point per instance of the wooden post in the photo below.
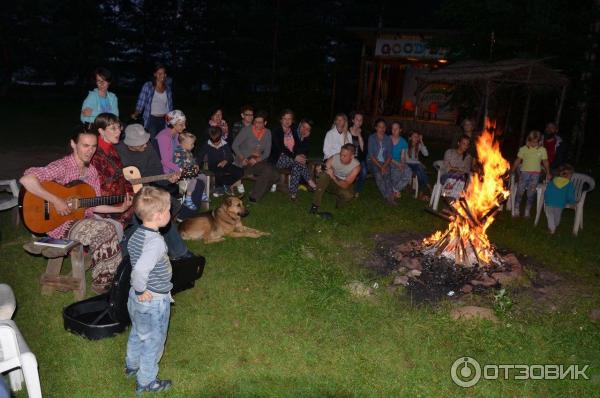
(377, 90)
(526, 110)
(525, 117)
(509, 111)
(78, 271)
(361, 80)
(560, 105)
(420, 88)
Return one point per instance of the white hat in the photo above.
(135, 135)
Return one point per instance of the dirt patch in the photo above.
(14, 162)
(439, 279)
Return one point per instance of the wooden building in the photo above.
(390, 62)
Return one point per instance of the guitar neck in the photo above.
(145, 180)
(100, 200)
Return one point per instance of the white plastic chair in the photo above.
(17, 359)
(13, 188)
(437, 188)
(415, 185)
(512, 205)
(579, 183)
(8, 304)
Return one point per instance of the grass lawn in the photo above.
(271, 317)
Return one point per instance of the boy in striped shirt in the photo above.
(150, 294)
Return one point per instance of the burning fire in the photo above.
(465, 241)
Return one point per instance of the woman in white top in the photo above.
(155, 101)
(337, 136)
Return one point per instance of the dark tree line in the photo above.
(278, 51)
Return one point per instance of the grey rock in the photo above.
(594, 314)
(359, 289)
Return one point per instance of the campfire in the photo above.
(465, 241)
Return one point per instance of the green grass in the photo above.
(271, 317)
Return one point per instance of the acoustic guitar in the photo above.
(40, 216)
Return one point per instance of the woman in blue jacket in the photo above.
(100, 100)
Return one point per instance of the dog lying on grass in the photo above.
(213, 226)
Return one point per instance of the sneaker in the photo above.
(189, 203)
(274, 188)
(204, 197)
(527, 212)
(130, 372)
(219, 191)
(515, 213)
(293, 198)
(314, 209)
(156, 386)
(241, 190)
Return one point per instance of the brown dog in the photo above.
(214, 226)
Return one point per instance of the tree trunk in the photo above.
(274, 59)
(578, 134)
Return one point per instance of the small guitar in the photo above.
(40, 216)
(133, 176)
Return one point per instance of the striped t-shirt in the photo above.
(151, 268)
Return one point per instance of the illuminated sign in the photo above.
(407, 48)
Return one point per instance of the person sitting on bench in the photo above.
(97, 234)
(289, 151)
(252, 147)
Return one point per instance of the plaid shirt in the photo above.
(144, 102)
(64, 171)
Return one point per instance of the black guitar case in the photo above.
(106, 315)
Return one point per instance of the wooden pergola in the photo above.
(487, 77)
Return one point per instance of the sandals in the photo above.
(156, 386)
(187, 202)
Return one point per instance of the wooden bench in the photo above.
(52, 280)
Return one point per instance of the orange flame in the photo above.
(467, 231)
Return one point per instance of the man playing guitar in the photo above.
(97, 234)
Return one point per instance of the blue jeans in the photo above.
(421, 174)
(400, 178)
(383, 181)
(150, 322)
(362, 176)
